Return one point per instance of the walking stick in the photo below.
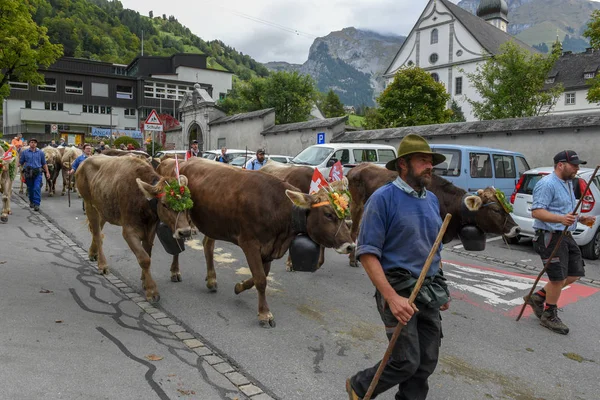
(411, 300)
(556, 246)
(69, 190)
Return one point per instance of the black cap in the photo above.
(194, 142)
(32, 140)
(260, 151)
(568, 156)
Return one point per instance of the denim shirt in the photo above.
(556, 196)
(33, 159)
(78, 161)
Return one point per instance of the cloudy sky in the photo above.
(282, 30)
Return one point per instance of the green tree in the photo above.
(593, 34)
(24, 46)
(457, 113)
(413, 98)
(512, 84)
(332, 106)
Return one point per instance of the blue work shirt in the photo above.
(556, 196)
(33, 159)
(78, 161)
(400, 229)
(255, 165)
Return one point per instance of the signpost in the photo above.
(321, 138)
(153, 124)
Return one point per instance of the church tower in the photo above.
(495, 12)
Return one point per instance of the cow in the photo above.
(121, 153)
(259, 213)
(53, 159)
(127, 192)
(68, 157)
(490, 215)
(5, 185)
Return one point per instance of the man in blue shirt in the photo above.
(87, 152)
(552, 207)
(33, 161)
(223, 156)
(400, 224)
(258, 162)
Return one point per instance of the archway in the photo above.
(195, 133)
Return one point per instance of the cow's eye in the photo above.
(329, 216)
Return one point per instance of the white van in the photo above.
(323, 156)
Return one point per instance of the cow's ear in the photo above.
(299, 199)
(473, 203)
(479, 192)
(149, 191)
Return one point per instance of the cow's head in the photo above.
(171, 208)
(491, 215)
(323, 224)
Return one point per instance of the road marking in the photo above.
(460, 246)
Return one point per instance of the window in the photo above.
(220, 143)
(364, 155)
(550, 80)
(53, 106)
(27, 103)
(386, 155)
(481, 165)
(84, 108)
(47, 105)
(434, 36)
(108, 109)
(102, 110)
(74, 87)
(47, 128)
(589, 75)
(505, 166)
(522, 165)
(130, 111)
(342, 155)
(410, 63)
(49, 86)
(124, 92)
(95, 109)
(60, 107)
(459, 53)
(435, 77)
(99, 89)
(569, 99)
(222, 96)
(458, 86)
(433, 58)
(451, 166)
(18, 85)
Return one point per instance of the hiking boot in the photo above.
(30, 204)
(537, 304)
(36, 208)
(551, 321)
(351, 393)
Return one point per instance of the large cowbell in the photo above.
(304, 254)
(165, 235)
(472, 238)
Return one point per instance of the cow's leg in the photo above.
(96, 252)
(135, 244)
(211, 275)
(321, 257)
(356, 217)
(288, 264)
(5, 201)
(175, 273)
(65, 181)
(259, 272)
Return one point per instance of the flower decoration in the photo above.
(178, 196)
(340, 202)
(12, 166)
(503, 202)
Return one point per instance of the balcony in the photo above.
(65, 117)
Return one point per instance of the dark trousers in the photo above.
(34, 189)
(413, 358)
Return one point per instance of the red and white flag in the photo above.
(8, 154)
(177, 168)
(318, 182)
(187, 155)
(336, 173)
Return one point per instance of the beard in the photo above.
(421, 180)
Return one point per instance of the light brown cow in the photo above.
(53, 159)
(68, 157)
(254, 211)
(490, 216)
(117, 190)
(5, 185)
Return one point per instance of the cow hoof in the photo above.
(354, 264)
(289, 268)
(176, 278)
(212, 285)
(50, 195)
(104, 271)
(270, 323)
(94, 257)
(239, 288)
(62, 194)
(153, 299)
(4, 218)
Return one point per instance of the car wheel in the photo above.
(513, 240)
(591, 251)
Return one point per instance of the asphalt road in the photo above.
(328, 328)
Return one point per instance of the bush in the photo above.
(125, 140)
(157, 148)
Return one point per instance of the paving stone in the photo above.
(262, 396)
(165, 321)
(202, 351)
(509, 263)
(193, 343)
(250, 390)
(131, 295)
(185, 336)
(223, 368)
(144, 304)
(212, 360)
(156, 315)
(176, 328)
(139, 299)
(121, 285)
(128, 291)
(237, 379)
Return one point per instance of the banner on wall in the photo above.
(105, 132)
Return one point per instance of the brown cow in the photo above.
(490, 217)
(117, 190)
(255, 212)
(53, 159)
(68, 157)
(5, 185)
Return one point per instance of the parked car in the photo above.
(323, 156)
(242, 161)
(473, 168)
(230, 154)
(162, 153)
(588, 238)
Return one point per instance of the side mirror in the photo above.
(331, 162)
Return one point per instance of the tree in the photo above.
(24, 45)
(593, 34)
(413, 98)
(512, 84)
(331, 105)
(151, 14)
(457, 113)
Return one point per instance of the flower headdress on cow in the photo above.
(340, 202)
(10, 156)
(178, 196)
(503, 202)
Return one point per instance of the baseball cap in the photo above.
(568, 156)
(260, 151)
(194, 142)
(32, 140)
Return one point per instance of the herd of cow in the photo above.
(259, 211)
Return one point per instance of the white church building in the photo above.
(449, 42)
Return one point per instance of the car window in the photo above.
(522, 165)
(279, 159)
(364, 155)
(529, 182)
(450, 167)
(238, 161)
(504, 166)
(386, 155)
(343, 156)
(312, 155)
(481, 165)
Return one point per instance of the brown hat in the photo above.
(412, 144)
(32, 140)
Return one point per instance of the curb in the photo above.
(218, 360)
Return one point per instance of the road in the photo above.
(328, 328)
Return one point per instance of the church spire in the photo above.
(495, 12)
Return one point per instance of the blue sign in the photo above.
(321, 138)
(105, 132)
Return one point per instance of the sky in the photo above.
(282, 30)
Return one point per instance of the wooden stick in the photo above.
(564, 232)
(411, 300)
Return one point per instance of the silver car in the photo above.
(587, 238)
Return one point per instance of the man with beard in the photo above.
(400, 224)
(552, 208)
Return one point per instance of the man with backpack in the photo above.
(258, 162)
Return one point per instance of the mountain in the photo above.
(539, 21)
(351, 62)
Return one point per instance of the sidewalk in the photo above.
(70, 333)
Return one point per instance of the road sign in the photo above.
(321, 138)
(54, 128)
(153, 123)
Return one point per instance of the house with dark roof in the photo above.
(449, 42)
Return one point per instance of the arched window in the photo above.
(434, 36)
(435, 77)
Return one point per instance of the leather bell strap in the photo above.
(321, 204)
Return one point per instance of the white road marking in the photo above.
(460, 246)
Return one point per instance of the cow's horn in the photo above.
(299, 199)
(149, 191)
(473, 203)
(183, 180)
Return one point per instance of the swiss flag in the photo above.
(318, 182)
(8, 154)
(336, 173)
